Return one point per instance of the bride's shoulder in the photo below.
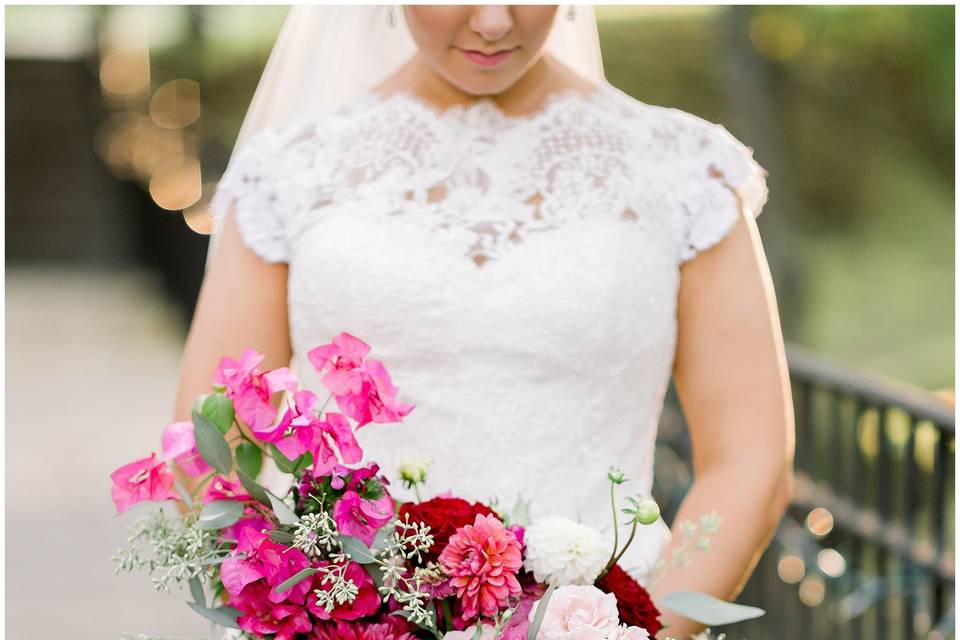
(711, 174)
(674, 130)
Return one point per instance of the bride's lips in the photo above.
(487, 60)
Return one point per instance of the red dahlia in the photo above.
(633, 602)
(444, 516)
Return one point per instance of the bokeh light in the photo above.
(791, 569)
(198, 216)
(820, 522)
(812, 591)
(777, 36)
(176, 104)
(125, 73)
(176, 184)
(831, 562)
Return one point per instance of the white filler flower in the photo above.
(560, 551)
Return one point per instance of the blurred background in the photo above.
(119, 121)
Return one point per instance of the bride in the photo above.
(532, 252)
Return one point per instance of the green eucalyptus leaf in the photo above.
(220, 513)
(211, 445)
(196, 590)
(295, 579)
(256, 492)
(218, 409)
(541, 611)
(249, 458)
(224, 616)
(285, 464)
(184, 494)
(303, 462)
(285, 514)
(358, 551)
(281, 537)
(706, 609)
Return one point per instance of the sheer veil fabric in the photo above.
(326, 56)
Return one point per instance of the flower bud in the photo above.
(616, 476)
(413, 470)
(648, 511)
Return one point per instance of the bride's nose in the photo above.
(492, 21)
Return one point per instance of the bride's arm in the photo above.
(242, 303)
(732, 382)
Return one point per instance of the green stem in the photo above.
(197, 488)
(416, 492)
(633, 531)
(616, 530)
(447, 614)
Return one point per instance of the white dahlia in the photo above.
(560, 551)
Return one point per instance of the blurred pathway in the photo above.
(91, 364)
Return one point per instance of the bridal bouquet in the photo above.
(336, 556)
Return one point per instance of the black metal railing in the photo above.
(866, 549)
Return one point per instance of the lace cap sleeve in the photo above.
(723, 181)
(261, 191)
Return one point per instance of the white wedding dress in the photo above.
(518, 277)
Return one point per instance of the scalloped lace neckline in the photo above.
(485, 110)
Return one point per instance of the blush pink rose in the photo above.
(578, 612)
(623, 632)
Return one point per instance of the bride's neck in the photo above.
(526, 95)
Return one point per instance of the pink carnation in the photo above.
(260, 616)
(143, 479)
(364, 604)
(483, 560)
(250, 389)
(391, 628)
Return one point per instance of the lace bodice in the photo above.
(517, 275)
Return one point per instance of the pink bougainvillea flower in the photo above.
(376, 401)
(180, 446)
(359, 517)
(250, 389)
(483, 560)
(330, 436)
(345, 356)
(257, 557)
(221, 488)
(261, 617)
(362, 388)
(144, 479)
(366, 602)
(294, 433)
(365, 506)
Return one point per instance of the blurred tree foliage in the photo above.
(849, 108)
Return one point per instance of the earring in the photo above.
(572, 13)
(391, 19)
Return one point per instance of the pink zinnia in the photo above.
(143, 479)
(483, 560)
